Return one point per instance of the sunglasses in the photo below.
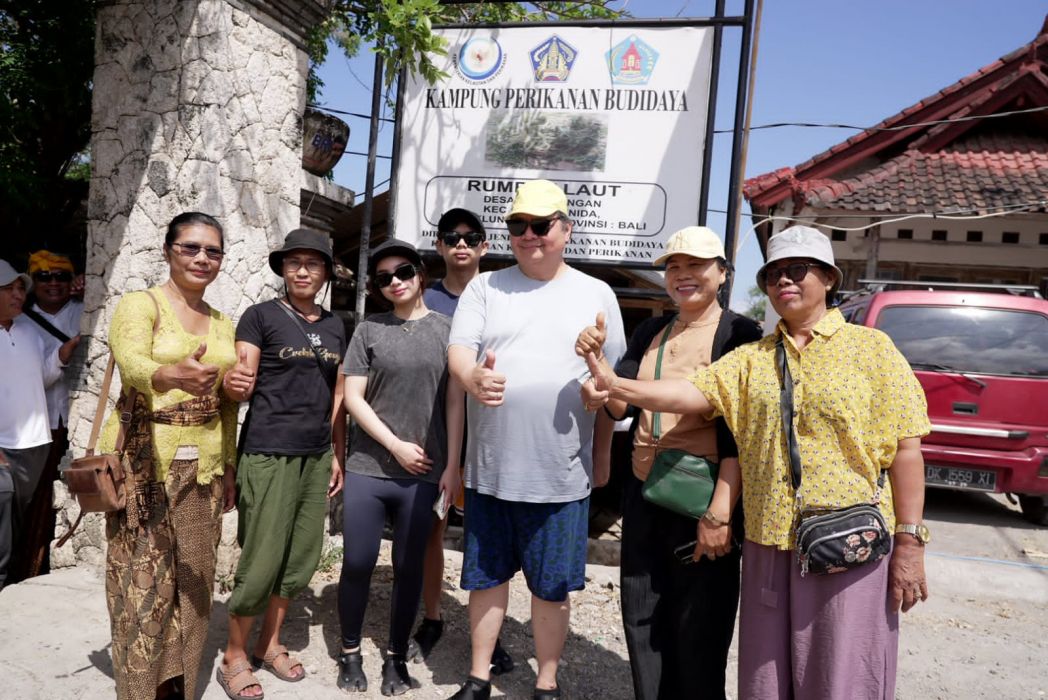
(191, 250)
(540, 227)
(401, 272)
(452, 238)
(794, 271)
(53, 276)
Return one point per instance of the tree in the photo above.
(758, 303)
(46, 65)
(402, 30)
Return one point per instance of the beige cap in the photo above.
(696, 241)
(539, 198)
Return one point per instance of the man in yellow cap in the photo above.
(534, 453)
(55, 317)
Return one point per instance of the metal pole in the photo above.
(711, 118)
(369, 190)
(749, 113)
(735, 174)
(394, 164)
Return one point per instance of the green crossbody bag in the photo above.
(679, 481)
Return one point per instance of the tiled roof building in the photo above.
(979, 146)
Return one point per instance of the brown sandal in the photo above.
(236, 679)
(279, 662)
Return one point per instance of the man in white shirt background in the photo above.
(26, 370)
(55, 317)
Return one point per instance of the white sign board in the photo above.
(616, 115)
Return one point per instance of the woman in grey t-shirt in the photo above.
(407, 430)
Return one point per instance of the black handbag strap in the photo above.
(45, 324)
(298, 322)
(656, 421)
(787, 411)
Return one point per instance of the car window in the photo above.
(970, 339)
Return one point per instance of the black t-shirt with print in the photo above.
(290, 411)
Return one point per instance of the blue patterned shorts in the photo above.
(545, 540)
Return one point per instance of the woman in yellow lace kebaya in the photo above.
(172, 347)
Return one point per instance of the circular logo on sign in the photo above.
(480, 59)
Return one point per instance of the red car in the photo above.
(982, 358)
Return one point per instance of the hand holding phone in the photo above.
(442, 505)
(686, 552)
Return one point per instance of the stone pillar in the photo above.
(197, 106)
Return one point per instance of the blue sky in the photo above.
(825, 61)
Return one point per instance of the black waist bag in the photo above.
(829, 542)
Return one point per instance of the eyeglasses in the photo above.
(401, 272)
(191, 250)
(795, 271)
(452, 238)
(312, 266)
(540, 227)
(53, 276)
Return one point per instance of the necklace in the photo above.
(300, 312)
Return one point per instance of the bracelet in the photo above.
(709, 517)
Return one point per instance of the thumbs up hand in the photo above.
(193, 376)
(239, 381)
(487, 386)
(592, 338)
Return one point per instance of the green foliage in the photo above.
(46, 64)
(401, 30)
(758, 303)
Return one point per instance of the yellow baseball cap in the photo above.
(539, 198)
(696, 241)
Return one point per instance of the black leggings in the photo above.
(366, 501)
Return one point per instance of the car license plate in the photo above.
(957, 478)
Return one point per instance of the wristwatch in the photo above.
(919, 531)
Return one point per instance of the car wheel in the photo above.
(1035, 509)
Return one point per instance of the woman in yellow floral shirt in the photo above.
(858, 410)
(173, 348)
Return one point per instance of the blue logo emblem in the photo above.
(631, 62)
(480, 59)
(552, 60)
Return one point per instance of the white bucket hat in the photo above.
(801, 242)
(8, 274)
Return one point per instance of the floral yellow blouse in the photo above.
(139, 354)
(855, 398)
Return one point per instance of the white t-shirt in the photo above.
(25, 371)
(537, 446)
(66, 320)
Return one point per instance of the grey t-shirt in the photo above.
(537, 446)
(407, 370)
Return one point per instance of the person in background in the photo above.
(174, 349)
(461, 242)
(27, 369)
(403, 457)
(56, 319)
(534, 453)
(289, 352)
(679, 616)
(860, 415)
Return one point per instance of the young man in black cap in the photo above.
(461, 242)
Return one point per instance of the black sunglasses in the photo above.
(53, 276)
(191, 250)
(540, 227)
(452, 238)
(401, 272)
(795, 271)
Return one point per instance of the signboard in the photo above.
(615, 115)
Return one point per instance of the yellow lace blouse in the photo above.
(139, 354)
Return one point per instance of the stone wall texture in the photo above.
(197, 107)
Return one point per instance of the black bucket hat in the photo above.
(302, 239)
(453, 217)
(392, 247)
